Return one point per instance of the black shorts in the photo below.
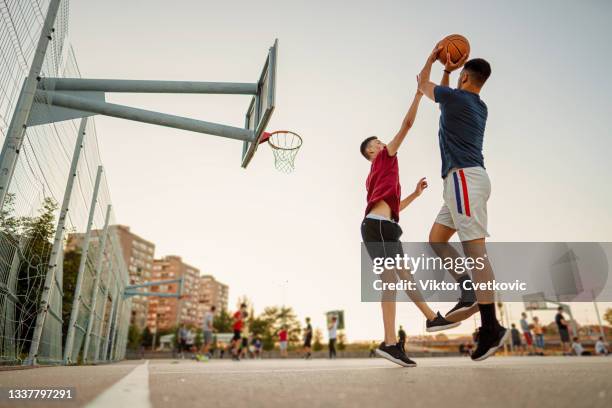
(307, 341)
(237, 335)
(565, 337)
(382, 238)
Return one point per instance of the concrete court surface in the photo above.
(498, 382)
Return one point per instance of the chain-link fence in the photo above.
(62, 271)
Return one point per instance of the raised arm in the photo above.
(407, 123)
(425, 85)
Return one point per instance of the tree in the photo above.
(72, 260)
(134, 337)
(222, 322)
(38, 234)
(9, 224)
(608, 316)
(317, 345)
(272, 320)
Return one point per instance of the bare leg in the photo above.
(388, 311)
(439, 235)
(388, 300)
(415, 295)
(477, 249)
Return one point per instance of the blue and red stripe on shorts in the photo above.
(461, 193)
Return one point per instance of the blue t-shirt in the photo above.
(462, 124)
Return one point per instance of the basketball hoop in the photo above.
(285, 146)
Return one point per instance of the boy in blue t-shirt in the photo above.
(463, 116)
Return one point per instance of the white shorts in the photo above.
(283, 345)
(466, 192)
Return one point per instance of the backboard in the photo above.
(535, 301)
(262, 105)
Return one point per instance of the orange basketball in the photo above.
(455, 44)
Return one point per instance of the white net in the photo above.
(285, 146)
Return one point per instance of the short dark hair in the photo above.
(213, 308)
(560, 308)
(364, 146)
(479, 69)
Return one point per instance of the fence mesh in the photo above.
(30, 215)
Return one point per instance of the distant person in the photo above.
(190, 346)
(601, 348)
(578, 349)
(182, 340)
(236, 342)
(562, 325)
(401, 334)
(244, 347)
(307, 339)
(332, 330)
(516, 338)
(538, 332)
(251, 346)
(257, 345)
(282, 341)
(526, 333)
(207, 331)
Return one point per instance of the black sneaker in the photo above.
(489, 340)
(439, 324)
(462, 310)
(394, 354)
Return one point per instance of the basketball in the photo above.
(455, 44)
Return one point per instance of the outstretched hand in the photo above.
(450, 66)
(434, 54)
(421, 185)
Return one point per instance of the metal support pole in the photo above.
(76, 302)
(143, 115)
(112, 323)
(601, 329)
(107, 292)
(17, 128)
(57, 246)
(100, 327)
(113, 352)
(96, 285)
(147, 86)
(58, 241)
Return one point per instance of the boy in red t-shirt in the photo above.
(282, 341)
(237, 326)
(381, 232)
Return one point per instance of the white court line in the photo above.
(281, 370)
(132, 391)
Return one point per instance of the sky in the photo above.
(346, 70)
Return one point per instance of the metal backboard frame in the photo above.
(262, 104)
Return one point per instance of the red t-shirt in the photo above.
(238, 320)
(383, 183)
(282, 335)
